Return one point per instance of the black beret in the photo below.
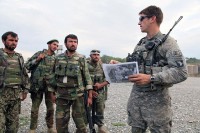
(53, 40)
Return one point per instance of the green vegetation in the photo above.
(192, 61)
(24, 120)
(118, 124)
(106, 59)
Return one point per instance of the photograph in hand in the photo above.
(118, 73)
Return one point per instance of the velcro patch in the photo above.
(179, 63)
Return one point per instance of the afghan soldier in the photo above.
(70, 79)
(161, 64)
(13, 83)
(40, 65)
(100, 86)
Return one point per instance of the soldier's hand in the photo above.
(41, 56)
(97, 86)
(89, 101)
(53, 97)
(113, 62)
(94, 94)
(140, 79)
(23, 96)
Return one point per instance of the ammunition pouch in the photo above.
(69, 72)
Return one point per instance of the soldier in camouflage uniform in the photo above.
(13, 84)
(70, 78)
(161, 64)
(40, 65)
(99, 86)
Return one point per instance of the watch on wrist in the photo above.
(152, 79)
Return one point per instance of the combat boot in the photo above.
(31, 131)
(51, 130)
(103, 129)
(81, 131)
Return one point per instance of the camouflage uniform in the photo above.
(150, 105)
(97, 75)
(13, 81)
(40, 71)
(71, 78)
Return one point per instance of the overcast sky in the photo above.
(108, 25)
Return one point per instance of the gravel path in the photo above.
(185, 104)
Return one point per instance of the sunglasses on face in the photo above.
(141, 18)
(94, 51)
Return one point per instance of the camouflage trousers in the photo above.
(10, 105)
(36, 101)
(150, 109)
(63, 114)
(98, 109)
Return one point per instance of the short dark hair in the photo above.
(5, 35)
(71, 36)
(153, 11)
(51, 41)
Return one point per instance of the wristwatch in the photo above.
(152, 78)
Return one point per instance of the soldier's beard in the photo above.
(11, 48)
(71, 49)
(95, 60)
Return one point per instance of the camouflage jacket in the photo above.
(40, 70)
(167, 64)
(70, 76)
(12, 71)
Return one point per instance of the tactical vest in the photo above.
(11, 72)
(68, 74)
(96, 72)
(149, 60)
(42, 72)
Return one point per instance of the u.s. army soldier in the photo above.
(161, 64)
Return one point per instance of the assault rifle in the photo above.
(88, 114)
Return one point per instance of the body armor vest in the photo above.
(147, 55)
(68, 76)
(10, 70)
(13, 72)
(96, 72)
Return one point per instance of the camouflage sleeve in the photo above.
(176, 70)
(31, 63)
(86, 76)
(51, 83)
(25, 78)
(26, 81)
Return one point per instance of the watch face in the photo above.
(152, 79)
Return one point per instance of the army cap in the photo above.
(94, 51)
(53, 40)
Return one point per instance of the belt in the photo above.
(12, 86)
(151, 88)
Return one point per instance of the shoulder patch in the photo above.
(176, 53)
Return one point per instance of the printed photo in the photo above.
(118, 73)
